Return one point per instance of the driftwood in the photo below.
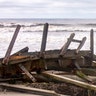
(70, 81)
(42, 78)
(24, 89)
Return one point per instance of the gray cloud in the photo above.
(47, 8)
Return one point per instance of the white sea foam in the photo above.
(52, 28)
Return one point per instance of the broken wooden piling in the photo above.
(92, 44)
(7, 55)
(44, 37)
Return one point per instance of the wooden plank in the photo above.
(78, 78)
(83, 76)
(24, 50)
(70, 81)
(51, 54)
(65, 47)
(16, 58)
(27, 72)
(24, 89)
(7, 55)
(89, 71)
(78, 41)
(81, 45)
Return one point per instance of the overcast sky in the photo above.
(47, 8)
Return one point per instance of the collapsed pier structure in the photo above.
(72, 66)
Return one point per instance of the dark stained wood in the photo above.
(78, 41)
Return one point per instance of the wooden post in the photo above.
(43, 46)
(44, 37)
(92, 44)
(7, 55)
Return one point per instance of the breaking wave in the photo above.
(28, 27)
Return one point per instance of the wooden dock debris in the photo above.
(44, 37)
(22, 51)
(65, 47)
(24, 89)
(74, 63)
(43, 46)
(27, 72)
(83, 76)
(81, 45)
(7, 55)
(70, 81)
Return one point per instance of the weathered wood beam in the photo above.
(17, 56)
(81, 44)
(89, 71)
(70, 81)
(52, 55)
(65, 47)
(83, 76)
(27, 72)
(7, 55)
(24, 89)
(24, 50)
(78, 78)
(78, 41)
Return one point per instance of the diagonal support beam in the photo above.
(65, 47)
(81, 45)
(7, 55)
(27, 72)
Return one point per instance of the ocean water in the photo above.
(31, 33)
